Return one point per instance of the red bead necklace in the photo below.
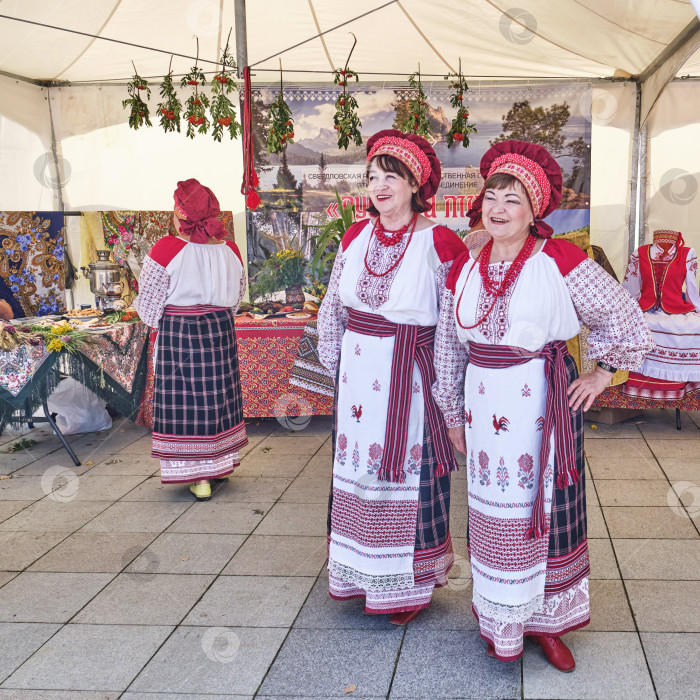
(401, 231)
(510, 278)
(380, 232)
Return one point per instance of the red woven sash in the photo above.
(413, 343)
(557, 416)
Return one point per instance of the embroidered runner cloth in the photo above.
(556, 417)
(413, 343)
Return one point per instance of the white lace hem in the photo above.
(370, 582)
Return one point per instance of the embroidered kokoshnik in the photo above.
(412, 343)
(556, 417)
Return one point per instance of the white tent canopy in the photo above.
(62, 90)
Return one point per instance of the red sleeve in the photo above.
(166, 249)
(460, 261)
(448, 245)
(565, 254)
(235, 250)
(352, 233)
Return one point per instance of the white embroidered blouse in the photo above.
(180, 273)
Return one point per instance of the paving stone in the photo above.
(307, 490)
(272, 464)
(19, 641)
(134, 516)
(94, 487)
(318, 466)
(18, 550)
(251, 601)
(221, 518)
(678, 449)
(290, 444)
(628, 429)
(95, 552)
(637, 492)
(58, 458)
(10, 508)
(610, 611)
(295, 519)
(621, 459)
(153, 490)
(320, 611)
(248, 489)
(677, 560)
(596, 524)
(603, 564)
(35, 596)
(325, 662)
(59, 695)
(647, 523)
(145, 598)
(140, 447)
(182, 696)
(665, 428)
(668, 656)
(454, 664)
(681, 468)
(53, 516)
(90, 657)
(450, 609)
(126, 465)
(664, 606)
(279, 555)
(459, 515)
(27, 488)
(210, 660)
(182, 553)
(608, 665)
(6, 576)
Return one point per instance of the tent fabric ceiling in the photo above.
(539, 38)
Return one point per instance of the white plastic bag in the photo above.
(79, 409)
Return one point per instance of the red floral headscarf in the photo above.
(197, 208)
(535, 168)
(414, 152)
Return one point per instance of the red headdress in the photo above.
(197, 208)
(414, 152)
(668, 236)
(535, 168)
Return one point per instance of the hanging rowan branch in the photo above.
(346, 120)
(139, 115)
(280, 129)
(197, 103)
(223, 112)
(417, 120)
(461, 127)
(171, 107)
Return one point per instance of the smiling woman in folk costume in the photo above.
(389, 539)
(190, 287)
(512, 304)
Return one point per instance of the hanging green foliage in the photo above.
(139, 115)
(461, 127)
(223, 112)
(417, 120)
(280, 125)
(170, 108)
(346, 120)
(197, 104)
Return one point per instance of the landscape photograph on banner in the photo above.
(300, 186)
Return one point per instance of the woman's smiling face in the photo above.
(389, 192)
(506, 213)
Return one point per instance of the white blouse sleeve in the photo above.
(154, 283)
(450, 357)
(632, 281)
(619, 334)
(332, 319)
(691, 279)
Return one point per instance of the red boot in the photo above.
(403, 618)
(557, 653)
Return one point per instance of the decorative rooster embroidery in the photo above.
(468, 417)
(357, 412)
(501, 423)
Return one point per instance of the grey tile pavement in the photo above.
(229, 598)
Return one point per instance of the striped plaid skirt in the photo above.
(198, 424)
(433, 556)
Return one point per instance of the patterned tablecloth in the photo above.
(613, 397)
(112, 364)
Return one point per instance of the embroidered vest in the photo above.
(665, 289)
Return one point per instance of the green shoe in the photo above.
(202, 492)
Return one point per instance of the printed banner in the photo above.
(297, 188)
